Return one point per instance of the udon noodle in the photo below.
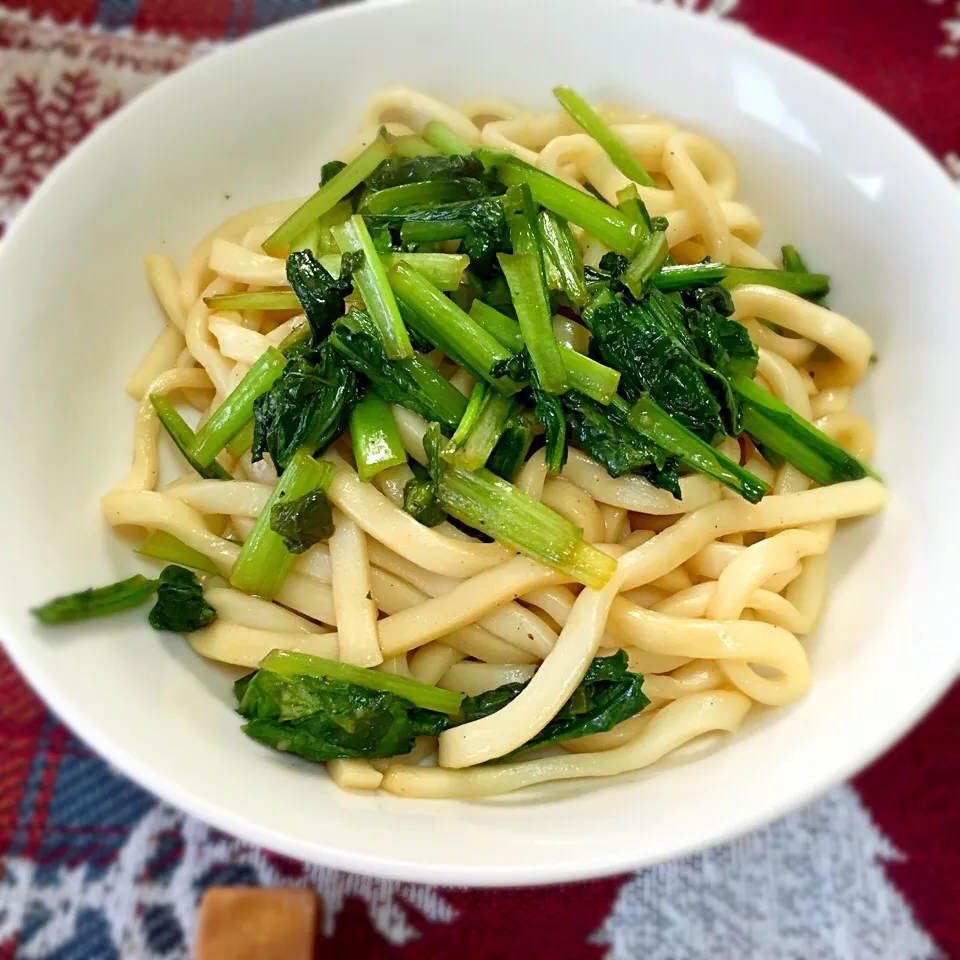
(712, 595)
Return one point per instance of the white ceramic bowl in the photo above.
(825, 170)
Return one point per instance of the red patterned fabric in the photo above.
(93, 867)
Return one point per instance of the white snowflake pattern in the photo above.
(951, 27)
(124, 893)
(952, 161)
(717, 8)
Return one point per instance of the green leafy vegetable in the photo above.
(184, 438)
(435, 167)
(421, 493)
(302, 522)
(564, 253)
(181, 606)
(97, 601)
(320, 294)
(775, 427)
(254, 300)
(371, 281)
(328, 711)
(231, 416)
(439, 135)
(264, 559)
(412, 383)
(480, 429)
(161, 545)
(278, 244)
(309, 406)
(808, 285)
(511, 451)
(395, 200)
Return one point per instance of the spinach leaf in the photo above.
(320, 294)
(420, 493)
(323, 719)
(181, 606)
(514, 445)
(397, 172)
(411, 383)
(304, 521)
(723, 343)
(308, 406)
(645, 342)
(604, 434)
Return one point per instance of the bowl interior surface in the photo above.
(251, 124)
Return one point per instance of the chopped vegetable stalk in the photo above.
(774, 426)
(231, 416)
(289, 664)
(792, 261)
(97, 601)
(480, 429)
(376, 440)
(438, 319)
(564, 253)
(242, 442)
(354, 173)
(264, 559)
(652, 252)
(184, 438)
(496, 507)
(412, 146)
(439, 135)
(423, 192)
(254, 300)
(629, 203)
(650, 420)
(371, 280)
(808, 285)
(161, 545)
(412, 383)
(530, 300)
(598, 218)
(621, 155)
(583, 373)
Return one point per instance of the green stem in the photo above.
(564, 253)
(376, 440)
(371, 281)
(809, 285)
(184, 438)
(286, 663)
(774, 426)
(651, 420)
(598, 218)
(161, 545)
(438, 319)
(412, 146)
(621, 155)
(397, 199)
(264, 559)
(530, 300)
(485, 502)
(254, 300)
(97, 601)
(480, 429)
(327, 197)
(242, 442)
(229, 418)
(652, 252)
(440, 136)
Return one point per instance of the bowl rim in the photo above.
(576, 867)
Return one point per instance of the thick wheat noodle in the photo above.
(162, 356)
(146, 427)
(393, 596)
(851, 345)
(238, 607)
(473, 679)
(418, 105)
(697, 676)
(830, 400)
(352, 584)
(673, 725)
(578, 507)
(511, 622)
(734, 218)
(636, 493)
(195, 275)
(352, 774)
(246, 647)
(533, 475)
(431, 662)
(237, 263)
(850, 430)
(785, 381)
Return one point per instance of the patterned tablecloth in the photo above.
(94, 867)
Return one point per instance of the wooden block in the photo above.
(250, 923)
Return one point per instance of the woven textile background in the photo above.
(93, 867)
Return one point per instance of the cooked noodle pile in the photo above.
(711, 596)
